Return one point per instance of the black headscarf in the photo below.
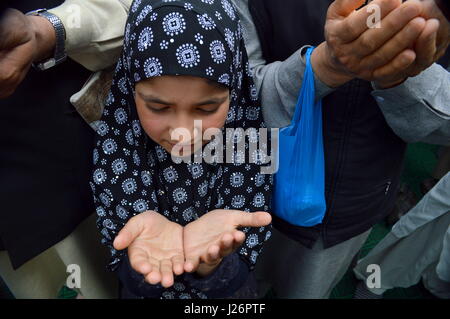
(132, 173)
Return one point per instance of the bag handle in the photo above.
(307, 90)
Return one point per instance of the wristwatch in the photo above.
(60, 52)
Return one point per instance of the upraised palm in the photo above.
(155, 247)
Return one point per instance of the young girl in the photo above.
(182, 61)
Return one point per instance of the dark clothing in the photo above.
(45, 159)
(230, 279)
(363, 156)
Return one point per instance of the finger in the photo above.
(191, 264)
(397, 65)
(226, 245)
(239, 237)
(394, 22)
(154, 277)
(213, 254)
(426, 44)
(139, 261)
(401, 41)
(128, 234)
(166, 273)
(350, 28)
(226, 241)
(257, 219)
(178, 264)
(443, 38)
(342, 8)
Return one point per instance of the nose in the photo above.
(196, 133)
(185, 133)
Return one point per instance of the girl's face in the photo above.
(167, 103)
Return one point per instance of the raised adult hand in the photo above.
(429, 47)
(355, 50)
(23, 40)
(432, 11)
(214, 235)
(155, 247)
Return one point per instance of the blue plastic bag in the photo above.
(299, 195)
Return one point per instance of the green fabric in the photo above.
(67, 293)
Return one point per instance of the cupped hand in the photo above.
(155, 247)
(409, 38)
(356, 49)
(215, 235)
(429, 47)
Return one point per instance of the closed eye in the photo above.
(157, 109)
(208, 111)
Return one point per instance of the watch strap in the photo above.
(60, 53)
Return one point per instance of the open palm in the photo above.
(155, 247)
